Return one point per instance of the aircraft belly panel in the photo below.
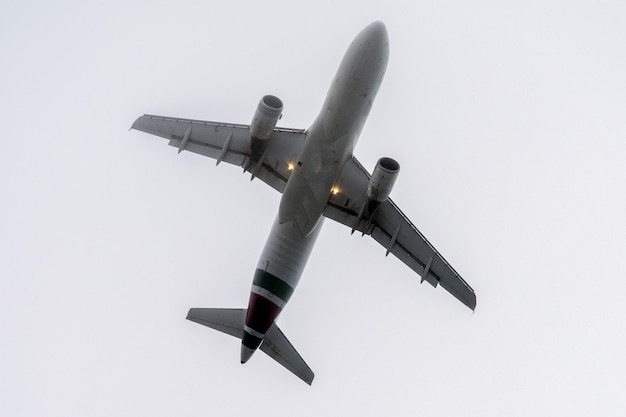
(278, 272)
(287, 251)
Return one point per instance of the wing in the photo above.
(393, 230)
(230, 143)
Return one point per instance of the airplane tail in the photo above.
(275, 344)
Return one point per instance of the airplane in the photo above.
(319, 178)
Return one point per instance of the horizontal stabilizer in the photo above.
(275, 344)
(226, 320)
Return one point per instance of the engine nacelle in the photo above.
(265, 117)
(382, 180)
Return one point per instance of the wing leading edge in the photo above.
(231, 143)
(394, 231)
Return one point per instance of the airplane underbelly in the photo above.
(278, 272)
(304, 207)
(311, 183)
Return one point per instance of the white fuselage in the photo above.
(332, 136)
(329, 143)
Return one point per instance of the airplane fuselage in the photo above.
(329, 143)
(319, 178)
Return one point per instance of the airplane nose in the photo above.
(246, 353)
(378, 29)
(375, 35)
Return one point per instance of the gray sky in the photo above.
(509, 124)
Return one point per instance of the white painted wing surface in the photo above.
(394, 231)
(230, 143)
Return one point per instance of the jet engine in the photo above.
(265, 117)
(382, 180)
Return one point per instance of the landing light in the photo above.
(334, 190)
(290, 166)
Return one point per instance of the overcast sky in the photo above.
(508, 120)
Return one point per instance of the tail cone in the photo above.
(246, 353)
